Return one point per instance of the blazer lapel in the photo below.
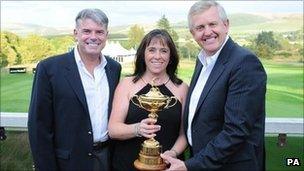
(216, 72)
(214, 75)
(111, 81)
(197, 71)
(73, 77)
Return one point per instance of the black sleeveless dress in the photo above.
(126, 152)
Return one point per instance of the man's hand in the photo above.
(176, 164)
(171, 153)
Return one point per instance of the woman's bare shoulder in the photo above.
(184, 86)
(128, 86)
(181, 87)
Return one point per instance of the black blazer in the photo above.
(228, 125)
(59, 122)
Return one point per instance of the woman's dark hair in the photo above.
(140, 65)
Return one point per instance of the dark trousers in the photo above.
(101, 159)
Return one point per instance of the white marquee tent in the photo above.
(118, 53)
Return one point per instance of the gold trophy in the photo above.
(149, 155)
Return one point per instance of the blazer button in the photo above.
(89, 154)
(89, 132)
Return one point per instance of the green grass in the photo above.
(276, 156)
(284, 96)
(185, 70)
(284, 90)
(15, 152)
(15, 92)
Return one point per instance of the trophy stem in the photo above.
(153, 114)
(151, 142)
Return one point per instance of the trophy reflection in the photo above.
(149, 155)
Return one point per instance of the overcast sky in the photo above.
(62, 13)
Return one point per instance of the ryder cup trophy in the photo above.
(149, 155)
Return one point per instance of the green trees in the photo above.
(135, 35)
(31, 49)
(265, 44)
(9, 49)
(186, 47)
(163, 23)
(62, 44)
(189, 49)
(278, 46)
(267, 38)
(35, 48)
(286, 45)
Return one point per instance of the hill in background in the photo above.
(248, 24)
(23, 29)
(240, 23)
(255, 23)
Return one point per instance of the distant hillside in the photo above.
(245, 24)
(23, 29)
(181, 24)
(272, 22)
(240, 23)
(241, 19)
(237, 19)
(124, 29)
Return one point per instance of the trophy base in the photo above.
(142, 166)
(149, 157)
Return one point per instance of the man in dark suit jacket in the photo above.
(71, 101)
(225, 108)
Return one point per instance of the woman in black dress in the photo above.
(129, 125)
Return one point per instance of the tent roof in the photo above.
(115, 49)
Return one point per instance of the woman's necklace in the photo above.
(153, 81)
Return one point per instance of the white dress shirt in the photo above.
(208, 64)
(96, 90)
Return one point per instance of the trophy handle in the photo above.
(137, 104)
(168, 102)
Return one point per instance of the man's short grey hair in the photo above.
(94, 14)
(202, 6)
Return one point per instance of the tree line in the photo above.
(269, 45)
(33, 48)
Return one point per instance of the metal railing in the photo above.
(18, 121)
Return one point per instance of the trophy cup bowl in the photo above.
(149, 155)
